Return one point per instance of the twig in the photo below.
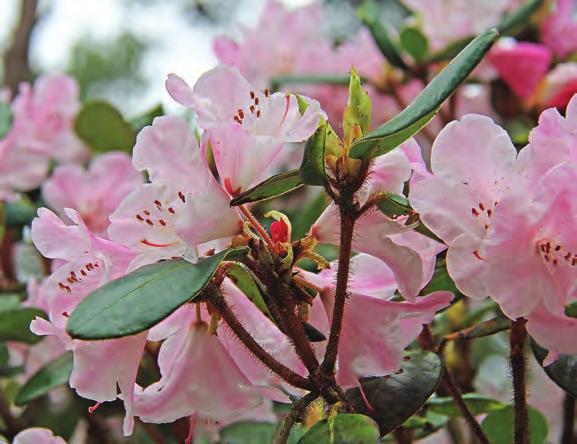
(16, 64)
(254, 347)
(255, 224)
(517, 344)
(294, 416)
(13, 426)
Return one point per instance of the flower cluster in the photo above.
(173, 295)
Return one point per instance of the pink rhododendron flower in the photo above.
(559, 30)
(44, 117)
(509, 226)
(94, 193)
(239, 119)
(37, 435)
(87, 262)
(375, 329)
(197, 376)
(283, 42)
(410, 255)
(521, 65)
(183, 207)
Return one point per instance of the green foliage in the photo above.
(146, 118)
(108, 68)
(498, 426)
(102, 128)
(312, 169)
(252, 432)
(347, 428)
(52, 375)
(421, 110)
(274, 186)
(304, 219)
(6, 117)
(477, 404)
(441, 281)
(20, 212)
(243, 278)
(517, 20)
(131, 304)
(414, 42)
(15, 323)
(395, 398)
(299, 79)
(369, 15)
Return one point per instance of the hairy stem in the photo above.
(346, 241)
(255, 224)
(567, 436)
(294, 417)
(254, 347)
(517, 343)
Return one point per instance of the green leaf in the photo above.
(395, 398)
(146, 118)
(369, 15)
(424, 107)
(477, 404)
(248, 432)
(274, 186)
(414, 42)
(50, 376)
(143, 298)
(102, 128)
(441, 280)
(6, 118)
(348, 428)
(498, 426)
(562, 372)
(394, 205)
(357, 115)
(518, 19)
(312, 169)
(303, 219)
(20, 212)
(243, 278)
(571, 310)
(15, 325)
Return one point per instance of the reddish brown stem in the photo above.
(346, 241)
(255, 224)
(254, 347)
(517, 344)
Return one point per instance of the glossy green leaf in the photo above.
(421, 426)
(52, 375)
(369, 15)
(312, 169)
(348, 428)
(424, 107)
(498, 426)
(20, 212)
(394, 205)
(303, 219)
(102, 128)
(562, 372)
(477, 404)
(441, 280)
(395, 398)
(519, 18)
(146, 118)
(143, 298)
(274, 186)
(6, 117)
(15, 325)
(414, 42)
(243, 278)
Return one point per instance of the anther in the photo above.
(161, 222)
(258, 113)
(266, 92)
(252, 94)
(252, 108)
(139, 217)
(489, 212)
(481, 206)
(256, 100)
(146, 213)
(558, 247)
(149, 222)
(181, 195)
(157, 203)
(237, 120)
(241, 113)
(475, 212)
(171, 210)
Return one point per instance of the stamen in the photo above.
(481, 206)
(140, 218)
(161, 222)
(252, 94)
(171, 210)
(181, 195)
(152, 244)
(475, 212)
(149, 222)
(266, 92)
(93, 408)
